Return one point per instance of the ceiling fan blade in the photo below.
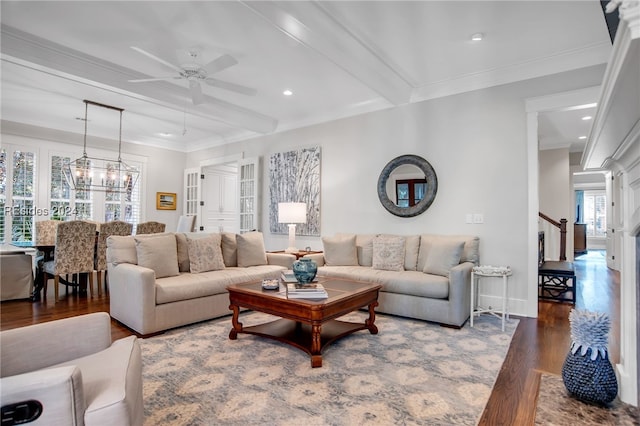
(224, 61)
(155, 58)
(249, 91)
(144, 80)
(196, 92)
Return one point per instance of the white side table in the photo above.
(496, 272)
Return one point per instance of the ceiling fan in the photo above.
(195, 73)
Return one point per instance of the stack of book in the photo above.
(289, 277)
(307, 291)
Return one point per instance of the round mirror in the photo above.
(407, 186)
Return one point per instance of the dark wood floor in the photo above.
(539, 344)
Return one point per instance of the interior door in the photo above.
(220, 199)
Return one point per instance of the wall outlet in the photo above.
(478, 218)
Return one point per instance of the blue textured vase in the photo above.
(305, 270)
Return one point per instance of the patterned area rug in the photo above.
(556, 407)
(412, 372)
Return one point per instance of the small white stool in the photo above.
(490, 271)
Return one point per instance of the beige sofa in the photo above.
(425, 276)
(73, 370)
(161, 281)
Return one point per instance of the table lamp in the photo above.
(292, 213)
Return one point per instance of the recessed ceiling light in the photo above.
(477, 37)
(582, 137)
(587, 117)
(165, 134)
(287, 92)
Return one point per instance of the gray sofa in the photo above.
(425, 276)
(162, 281)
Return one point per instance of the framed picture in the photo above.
(166, 200)
(294, 176)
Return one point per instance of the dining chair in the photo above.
(116, 227)
(74, 254)
(186, 223)
(150, 228)
(46, 232)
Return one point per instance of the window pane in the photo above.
(60, 189)
(595, 213)
(22, 196)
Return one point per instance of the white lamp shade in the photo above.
(292, 212)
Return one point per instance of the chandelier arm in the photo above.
(120, 139)
(86, 111)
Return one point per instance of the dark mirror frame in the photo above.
(429, 196)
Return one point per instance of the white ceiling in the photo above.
(339, 58)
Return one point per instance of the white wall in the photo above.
(475, 141)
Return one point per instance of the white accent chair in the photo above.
(71, 368)
(186, 223)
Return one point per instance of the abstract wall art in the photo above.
(294, 176)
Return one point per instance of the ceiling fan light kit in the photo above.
(194, 73)
(100, 174)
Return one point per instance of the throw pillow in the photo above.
(158, 252)
(183, 252)
(229, 249)
(443, 255)
(205, 253)
(122, 249)
(251, 250)
(388, 253)
(340, 250)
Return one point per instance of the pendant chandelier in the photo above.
(100, 174)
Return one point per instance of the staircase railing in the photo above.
(562, 226)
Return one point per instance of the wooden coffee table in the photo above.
(307, 324)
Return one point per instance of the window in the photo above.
(410, 192)
(595, 213)
(17, 194)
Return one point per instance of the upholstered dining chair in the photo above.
(74, 254)
(116, 227)
(186, 223)
(150, 228)
(46, 232)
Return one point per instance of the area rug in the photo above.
(412, 372)
(556, 407)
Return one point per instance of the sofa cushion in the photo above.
(251, 250)
(413, 283)
(364, 247)
(158, 252)
(229, 249)
(469, 252)
(192, 286)
(205, 253)
(121, 249)
(388, 253)
(411, 250)
(443, 255)
(183, 252)
(340, 250)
